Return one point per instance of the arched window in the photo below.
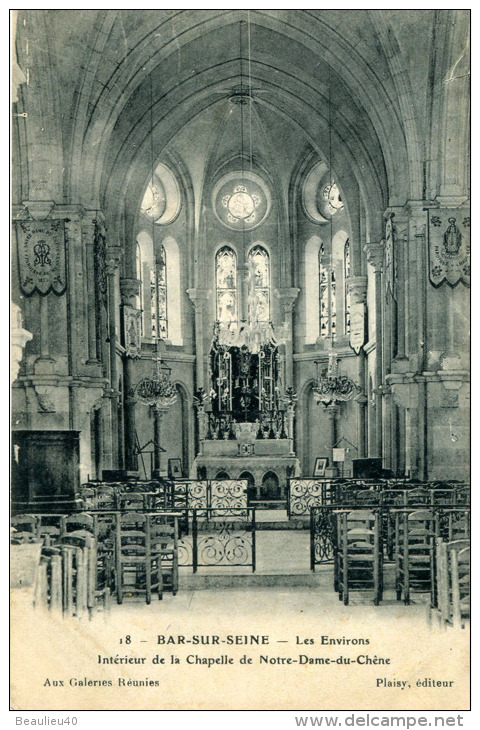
(160, 290)
(226, 285)
(346, 275)
(328, 304)
(312, 290)
(259, 278)
(139, 275)
(161, 295)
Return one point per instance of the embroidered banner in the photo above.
(390, 273)
(132, 331)
(41, 256)
(357, 327)
(449, 246)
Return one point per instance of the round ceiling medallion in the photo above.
(241, 200)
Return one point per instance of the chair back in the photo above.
(79, 521)
(24, 523)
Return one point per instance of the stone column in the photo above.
(287, 297)
(290, 419)
(129, 290)
(375, 253)
(157, 438)
(20, 337)
(199, 299)
(357, 288)
(88, 243)
(399, 220)
(388, 430)
(405, 393)
(332, 411)
(112, 263)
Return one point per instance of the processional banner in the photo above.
(449, 246)
(41, 256)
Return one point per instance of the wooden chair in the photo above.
(390, 498)
(415, 554)
(458, 524)
(359, 556)
(133, 501)
(18, 537)
(75, 547)
(24, 523)
(49, 527)
(80, 521)
(105, 498)
(87, 495)
(137, 571)
(49, 591)
(443, 496)
(366, 497)
(417, 497)
(462, 495)
(460, 572)
(453, 581)
(164, 544)
(100, 566)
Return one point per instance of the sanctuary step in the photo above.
(277, 519)
(204, 581)
(268, 504)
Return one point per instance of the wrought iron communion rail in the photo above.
(219, 538)
(303, 493)
(448, 518)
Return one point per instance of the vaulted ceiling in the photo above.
(127, 86)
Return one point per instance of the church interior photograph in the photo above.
(240, 284)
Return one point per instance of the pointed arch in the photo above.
(226, 286)
(260, 270)
(312, 290)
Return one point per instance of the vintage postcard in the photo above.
(240, 283)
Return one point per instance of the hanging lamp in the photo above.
(157, 389)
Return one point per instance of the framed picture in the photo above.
(175, 468)
(321, 463)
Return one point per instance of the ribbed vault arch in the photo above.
(359, 80)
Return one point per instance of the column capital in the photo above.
(199, 297)
(287, 296)
(129, 289)
(416, 212)
(375, 253)
(357, 288)
(451, 201)
(39, 209)
(112, 258)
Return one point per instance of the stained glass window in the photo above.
(138, 269)
(346, 272)
(226, 285)
(259, 268)
(328, 307)
(161, 301)
(153, 303)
